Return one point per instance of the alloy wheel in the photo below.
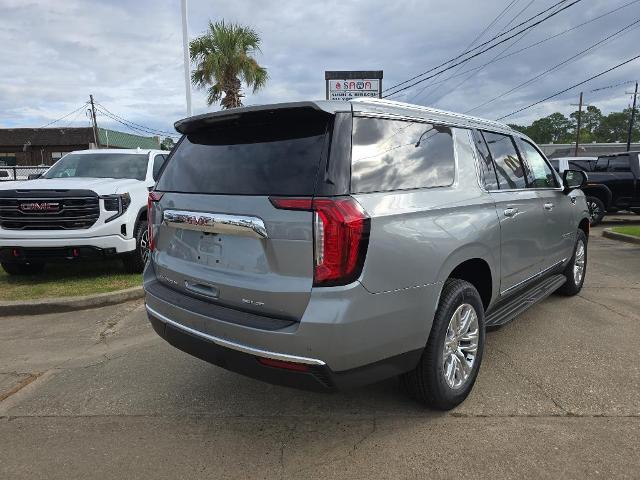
(460, 346)
(594, 211)
(144, 245)
(579, 263)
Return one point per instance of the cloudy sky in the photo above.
(128, 54)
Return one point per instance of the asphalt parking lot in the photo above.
(96, 394)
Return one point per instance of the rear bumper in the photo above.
(348, 334)
(310, 374)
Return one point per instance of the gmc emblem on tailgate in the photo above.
(40, 207)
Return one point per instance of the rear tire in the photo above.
(23, 268)
(453, 334)
(135, 261)
(597, 210)
(576, 269)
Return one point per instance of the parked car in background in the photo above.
(327, 245)
(613, 185)
(561, 164)
(90, 204)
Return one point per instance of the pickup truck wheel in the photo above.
(450, 362)
(597, 210)
(23, 268)
(135, 261)
(576, 269)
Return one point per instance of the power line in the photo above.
(612, 86)
(535, 44)
(557, 66)
(506, 49)
(478, 37)
(138, 130)
(569, 88)
(64, 116)
(480, 52)
(134, 126)
(487, 42)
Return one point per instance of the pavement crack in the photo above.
(23, 383)
(111, 323)
(366, 436)
(534, 382)
(283, 446)
(603, 305)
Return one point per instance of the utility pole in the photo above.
(94, 122)
(633, 117)
(185, 48)
(575, 153)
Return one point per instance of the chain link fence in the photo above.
(20, 173)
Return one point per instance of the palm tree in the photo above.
(223, 59)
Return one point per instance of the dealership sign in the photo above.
(353, 84)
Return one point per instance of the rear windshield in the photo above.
(277, 154)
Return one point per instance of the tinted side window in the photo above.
(486, 164)
(619, 163)
(158, 161)
(541, 174)
(398, 155)
(511, 173)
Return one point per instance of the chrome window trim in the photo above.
(534, 276)
(233, 345)
(242, 225)
(434, 120)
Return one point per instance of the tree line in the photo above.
(594, 127)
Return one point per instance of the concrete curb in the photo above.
(55, 305)
(623, 237)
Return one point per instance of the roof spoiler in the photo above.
(190, 124)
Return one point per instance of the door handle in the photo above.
(510, 212)
(548, 206)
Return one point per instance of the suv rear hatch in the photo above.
(216, 232)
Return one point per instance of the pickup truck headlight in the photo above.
(116, 203)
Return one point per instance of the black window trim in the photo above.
(479, 170)
(399, 118)
(515, 144)
(544, 157)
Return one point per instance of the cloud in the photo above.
(129, 54)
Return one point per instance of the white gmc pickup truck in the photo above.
(90, 204)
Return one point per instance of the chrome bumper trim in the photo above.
(233, 345)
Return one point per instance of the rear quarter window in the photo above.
(400, 155)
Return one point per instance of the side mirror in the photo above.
(33, 176)
(573, 179)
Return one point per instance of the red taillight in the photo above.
(153, 197)
(341, 237)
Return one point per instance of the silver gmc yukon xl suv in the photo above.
(325, 245)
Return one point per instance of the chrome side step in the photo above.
(511, 308)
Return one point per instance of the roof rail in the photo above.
(421, 108)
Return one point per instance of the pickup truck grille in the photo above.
(48, 209)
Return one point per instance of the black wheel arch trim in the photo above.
(598, 191)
